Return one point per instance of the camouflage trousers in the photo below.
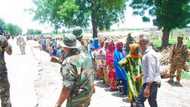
(176, 70)
(5, 93)
(80, 103)
(22, 49)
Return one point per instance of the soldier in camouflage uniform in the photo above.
(4, 83)
(79, 37)
(179, 56)
(129, 41)
(21, 43)
(77, 75)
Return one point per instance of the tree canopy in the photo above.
(33, 32)
(169, 14)
(12, 29)
(70, 13)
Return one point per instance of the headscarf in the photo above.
(134, 50)
(111, 46)
(110, 53)
(119, 46)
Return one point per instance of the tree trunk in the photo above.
(56, 27)
(93, 19)
(165, 38)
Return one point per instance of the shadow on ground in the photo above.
(100, 84)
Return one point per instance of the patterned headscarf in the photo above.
(135, 50)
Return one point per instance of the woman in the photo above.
(132, 64)
(110, 67)
(120, 72)
(100, 60)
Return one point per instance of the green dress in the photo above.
(133, 68)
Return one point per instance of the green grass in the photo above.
(188, 44)
(185, 74)
(157, 42)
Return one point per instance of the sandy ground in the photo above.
(36, 82)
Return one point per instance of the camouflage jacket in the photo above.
(179, 55)
(20, 41)
(3, 45)
(77, 75)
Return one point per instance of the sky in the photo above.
(13, 11)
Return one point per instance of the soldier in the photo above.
(21, 43)
(77, 76)
(78, 33)
(4, 83)
(129, 41)
(179, 56)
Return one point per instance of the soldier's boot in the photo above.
(171, 81)
(172, 75)
(20, 50)
(178, 78)
(24, 50)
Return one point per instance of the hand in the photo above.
(137, 78)
(54, 59)
(147, 91)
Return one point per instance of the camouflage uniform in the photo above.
(179, 56)
(129, 41)
(21, 43)
(78, 77)
(4, 83)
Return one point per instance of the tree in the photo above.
(77, 32)
(2, 24)
(13, 30)
(170, 14)
(46, 11)
(100, 13)
(33, 32)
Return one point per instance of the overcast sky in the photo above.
(13, 11)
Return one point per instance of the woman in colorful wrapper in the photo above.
(121, 76)
(100, 60)
(110, 67)
(132, 64)
(106, 71)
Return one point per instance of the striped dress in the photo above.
(133, 66)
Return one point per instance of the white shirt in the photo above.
(151, 66)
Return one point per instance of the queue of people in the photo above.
(132, 69)
(124, 68)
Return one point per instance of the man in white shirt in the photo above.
(151, 74)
